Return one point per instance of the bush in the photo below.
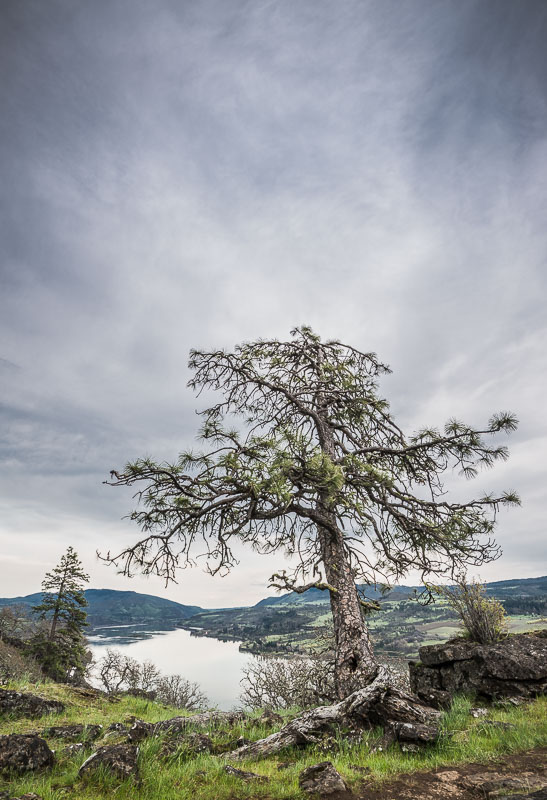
(174, 690)
(483, 618)
(14, 665)
(284, 683)
(118, 672)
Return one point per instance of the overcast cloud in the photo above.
(185, 174)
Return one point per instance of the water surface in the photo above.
(216, 666)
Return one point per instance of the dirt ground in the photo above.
(517, 772)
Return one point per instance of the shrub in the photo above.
(15, 665)
(283, 683)
(118, 672)
(483, 618)
(174, 690)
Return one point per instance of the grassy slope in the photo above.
(464, 739)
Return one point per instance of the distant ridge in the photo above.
(517, 587)
(115, 607)
(112, 607)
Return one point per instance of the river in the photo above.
(216, 666)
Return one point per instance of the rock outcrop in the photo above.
(513, 667)
(27, 705)
(121, 759)
(23, 753)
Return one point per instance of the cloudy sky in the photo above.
(194, 173)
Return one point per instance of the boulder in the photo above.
(323, 780)
(27, 705)
(121, 759)
(513, 667)
(22, 752)
(415, 732)
(189, 744)
(140, 730)
(74, 732)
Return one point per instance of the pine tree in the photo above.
(305, 457)
(61, 647)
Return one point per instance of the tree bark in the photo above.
(355, 665)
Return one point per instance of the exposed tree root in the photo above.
(379, 703)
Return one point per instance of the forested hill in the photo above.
(112, 607)
(518, 588)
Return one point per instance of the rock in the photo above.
(190, 744)
(20, 752)
(490, 783)
(139, 693)
(88, 732)
(74, 749)
(541, 794)
(515, 667)
(27, 705)
(245, 776)
(509, 702)
(414, 732)
(449, 776)
(206, 719)
(121, 759)
(119, 727)
(386, 741)
(322, 779)
(409, 747)
(362, 770)
(478, 712)
(27, 796)
(269, 717)
(242, 741)
(140, 730)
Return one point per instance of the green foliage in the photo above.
(313, 442)
(60, 648)
(483, 618)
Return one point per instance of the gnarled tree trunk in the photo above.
(379, 703)
(355, 665)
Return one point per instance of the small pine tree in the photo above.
(60, 647)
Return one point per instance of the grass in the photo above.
(190, 778)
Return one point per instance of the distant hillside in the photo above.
(318, 596)
(112, 607)
(503, 590)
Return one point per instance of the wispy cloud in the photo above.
(184, 175)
